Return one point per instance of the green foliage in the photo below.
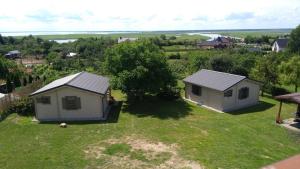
(163, 37)
(23, 107)
(222, 64)
(266, 71)
(290, 72)
(138, 68)
(294, 41)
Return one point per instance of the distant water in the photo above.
(212, 36)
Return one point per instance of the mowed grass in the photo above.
(244, 139)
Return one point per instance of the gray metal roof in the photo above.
(83, 80)
(282, 43)
(215, 80)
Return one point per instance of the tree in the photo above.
(163, 37)
(138, 68)
(266, 71)
(294, 41)
(1, 40)
(222, 64)
(30, 79)
(290, 72)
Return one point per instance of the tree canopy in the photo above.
(139, 68)
(294, 41)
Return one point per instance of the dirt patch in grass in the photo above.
(131, 152)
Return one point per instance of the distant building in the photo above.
(122, 39)
(279, 45)
(71, 55)
(15, 54)
(220, 42)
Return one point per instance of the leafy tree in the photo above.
(17, 81)
(294, 41)
(163, 37)
(266, 71)
(290, 72)
(139, 68)
(222, 64)
(1, 40)
(198, 62)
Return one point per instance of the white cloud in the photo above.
(81, 15)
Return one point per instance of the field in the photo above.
(152, 133)
(256, 33)
(180, 37)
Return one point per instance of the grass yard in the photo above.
(152, 133)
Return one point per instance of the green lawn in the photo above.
(244, 139)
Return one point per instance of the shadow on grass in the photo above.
(152, 106)
(262, 106)
(112, 117)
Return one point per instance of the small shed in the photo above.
(221, 91)
(81, 96)
(293, 98)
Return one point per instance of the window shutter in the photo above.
(64, 103)
(78, 103)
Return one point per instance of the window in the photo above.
(243, 93)
(228, 93)
(71, 103)
(196, 90)
(44, 100)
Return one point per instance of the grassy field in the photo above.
(243, 34)
(180, 37)
(152, 133)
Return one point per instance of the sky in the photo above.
(146, 15)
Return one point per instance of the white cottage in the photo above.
(221, 91)
(279, 45)
(81, 96)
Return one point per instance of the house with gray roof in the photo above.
(14, 54)
(221, 91)
(81, 96)
(280, 45)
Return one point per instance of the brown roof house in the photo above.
(220, 91)
(220, 42)
(81, 96)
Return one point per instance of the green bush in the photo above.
(171, 93)
(275, 91)
(23, 107)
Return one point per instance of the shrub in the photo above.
(174, 56)
(23, 107)
(275, 91)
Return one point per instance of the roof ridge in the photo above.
(80, 73)
(223, 73)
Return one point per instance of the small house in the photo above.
(221, 91)
(122, 39)
(279, 45)
(71, 55)
(81, 96)
(15, 54)
(220, 42)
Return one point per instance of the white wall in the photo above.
(215, 99)
(209, 97)
(233, 103)
(91, 105)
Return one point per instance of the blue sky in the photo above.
(117, 15)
